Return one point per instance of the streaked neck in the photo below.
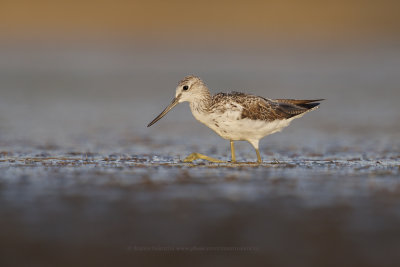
(202, 103)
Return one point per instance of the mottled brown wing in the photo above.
(259, 108)
(269, 110)
(234, 99)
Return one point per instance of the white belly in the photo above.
(230, 126)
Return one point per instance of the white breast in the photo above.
(229, 124)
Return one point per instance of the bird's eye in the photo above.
(185, 87)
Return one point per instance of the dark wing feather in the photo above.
(308, 104)
(259, 108)
(298, 101)
(262, 109)
(270, 110)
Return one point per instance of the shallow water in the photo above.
(83, 180)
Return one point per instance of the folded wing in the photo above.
(279, 109)
(259, 108)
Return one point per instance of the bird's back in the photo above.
(260, 108)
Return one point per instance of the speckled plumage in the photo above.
(237, 116)
(259, 108)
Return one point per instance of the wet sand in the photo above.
(84, 182)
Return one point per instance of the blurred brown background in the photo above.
(83, 180)
(196, 20)
(74, 67)
(60, 57)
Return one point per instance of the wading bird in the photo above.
(236, 116)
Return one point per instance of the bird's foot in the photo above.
(192, 157)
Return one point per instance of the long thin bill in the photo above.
(174, 102)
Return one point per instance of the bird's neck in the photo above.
(202, 103)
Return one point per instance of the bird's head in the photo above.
(190, 89)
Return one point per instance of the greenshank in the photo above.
(236, 116)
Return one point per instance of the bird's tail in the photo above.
(308, 104)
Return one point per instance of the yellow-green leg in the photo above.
(233, 158)
(258, 156)
(194, 156)
(254, 143)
